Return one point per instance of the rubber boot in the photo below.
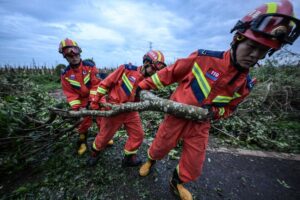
(176, 185)
(93, 159)
(146, 167)
(110, 143)
(81, 144)
(131, 161)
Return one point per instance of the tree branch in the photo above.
(148, 102)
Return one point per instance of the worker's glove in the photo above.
(75, 108)
(137, 93)
(94, 106)
(211, 111)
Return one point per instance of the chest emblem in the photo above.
(72, 77)
(84, 72)
(212, 74)
(132, 79)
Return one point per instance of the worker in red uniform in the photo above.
(217, 81)
(79, 81)
(120, 87)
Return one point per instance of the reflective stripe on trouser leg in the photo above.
(109, 126)
(167, 136)
(134, 129)
(195, 141)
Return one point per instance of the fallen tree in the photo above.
(149, 102)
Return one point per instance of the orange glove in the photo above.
(94, 106)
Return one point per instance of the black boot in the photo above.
(93, 159)
(131, 161)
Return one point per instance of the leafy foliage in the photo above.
(268, 119)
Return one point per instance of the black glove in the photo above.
(88, 105)
(137, 93)
(211, 113)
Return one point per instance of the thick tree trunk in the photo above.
(148, 102)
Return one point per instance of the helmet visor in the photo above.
(71, 51)
(277, 26)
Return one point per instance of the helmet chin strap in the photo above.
(234, 45)
(233, 57)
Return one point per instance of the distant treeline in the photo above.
(43, 70)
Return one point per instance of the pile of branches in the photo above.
(27, 131)
(268, 118)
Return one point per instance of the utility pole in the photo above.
(150, 46)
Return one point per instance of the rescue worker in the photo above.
(78, 81)
(217, 81)
(120, 87)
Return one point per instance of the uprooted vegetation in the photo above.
(31, 140)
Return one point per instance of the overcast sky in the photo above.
(114, 32)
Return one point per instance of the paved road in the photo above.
(233, 176)
(226, 175)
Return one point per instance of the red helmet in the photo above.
(272, 24)
(67, 46)
(156, 58)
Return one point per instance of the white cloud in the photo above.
(114, 32)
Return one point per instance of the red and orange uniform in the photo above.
(206, 79)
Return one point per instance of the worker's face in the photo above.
(73, 59)
(148, 70)
(249, 52)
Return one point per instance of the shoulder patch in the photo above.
(217, 54)
(89, 63)
(130, 67)
(66, 70)
(250, 82)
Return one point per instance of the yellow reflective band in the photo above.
(74, 43)
(156, 81)
(236, 95)
(94, 146)
(149, 155)
(87, 78)
(221, 111)
(101, 90)
(271, 7)
(93, 92)
(63, 43)
(159, 56)
(129, 152)
(202, 82)
(72, 82)
(222, 99)
(74, 102)
(127, 82)
(177, 169)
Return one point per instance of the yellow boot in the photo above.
(146, 167)
(82, 145)
(177, 187)
(110, 143)
(82, 149)
(184, 194)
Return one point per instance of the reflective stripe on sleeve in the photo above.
(156, 81)
(101, 90)
(74, 102)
